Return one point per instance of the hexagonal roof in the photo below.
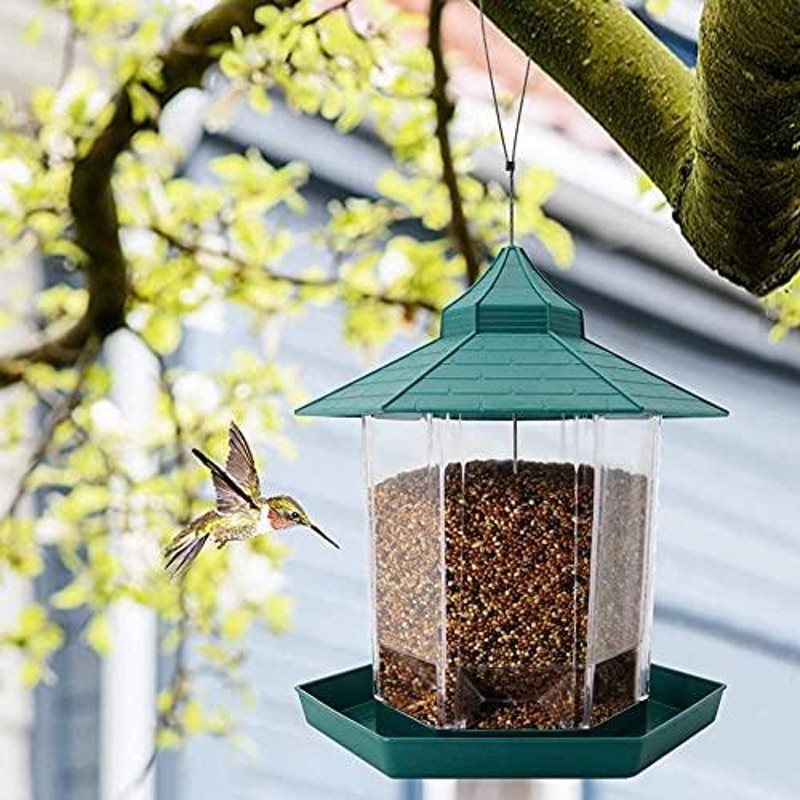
(511, 347)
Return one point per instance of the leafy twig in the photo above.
(60, 413)
(242, 266)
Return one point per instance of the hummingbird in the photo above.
(241, 511)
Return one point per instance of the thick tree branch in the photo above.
(741, 206)
(444, 114)
(91, 195)
(724, 149)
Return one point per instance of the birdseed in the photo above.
(485, 625)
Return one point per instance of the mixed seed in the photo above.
(482, 602)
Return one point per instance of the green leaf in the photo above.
(32, 620)
(233, 64)
(162, 332)
(165, 700)
(62, 299)
(32, 674)
(83, 500)
(266, 16)
(350, 117)
(658, 8)
(98, 634)
(305, 95)
(71, 596)
(332, 105)
(557, 240)
(33, 31)
(42, 103)
(144, 105)
(277, 613)
(339, 39)
(644, 183)
(259, 99)
(193, 717)
(168, 739)
(19, 550)
(306, 55)
(236, 623)
(65, 248)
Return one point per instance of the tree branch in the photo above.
(91, 196)
(444, 114)
(724, 149)
(741, 206)
(68, 54)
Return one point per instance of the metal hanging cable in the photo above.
(510, 155)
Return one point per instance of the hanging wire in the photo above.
(510, 155)
(516, 441)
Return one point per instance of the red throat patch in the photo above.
(277, 521)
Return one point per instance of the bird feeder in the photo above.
(512, 471)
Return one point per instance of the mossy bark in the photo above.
(741, 206)
(723, 146)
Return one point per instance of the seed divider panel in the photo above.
(343, 708)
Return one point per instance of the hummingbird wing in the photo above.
(231, 497)
(241, 465)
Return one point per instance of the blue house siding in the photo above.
(66, 742)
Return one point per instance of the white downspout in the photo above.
(128, 682)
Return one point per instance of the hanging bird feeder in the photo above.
(512, 467)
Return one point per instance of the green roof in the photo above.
(511, 347)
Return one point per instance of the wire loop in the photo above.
(510, 155)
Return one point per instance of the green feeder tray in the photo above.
(343, 708)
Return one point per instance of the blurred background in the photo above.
(728, 555)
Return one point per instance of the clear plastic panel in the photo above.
(622, 553)
(516, 504)
(403, 459)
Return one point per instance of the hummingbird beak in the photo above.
(323, 535)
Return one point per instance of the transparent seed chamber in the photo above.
(511, 568)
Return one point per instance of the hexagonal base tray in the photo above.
(343, 708)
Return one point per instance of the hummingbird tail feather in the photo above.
(182, 552)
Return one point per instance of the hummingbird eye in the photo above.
(295, 516)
